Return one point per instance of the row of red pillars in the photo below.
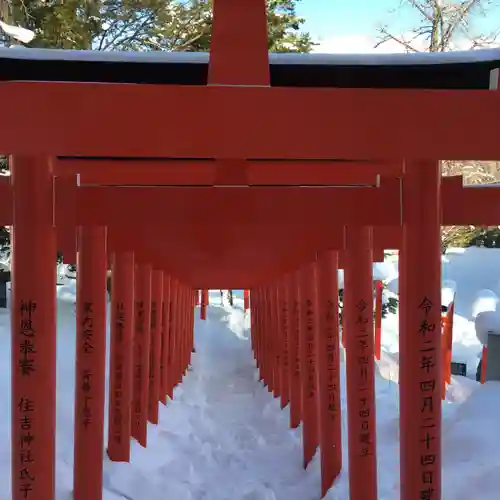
(151, 340)
(295, 335)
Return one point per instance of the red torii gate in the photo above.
(247, 125)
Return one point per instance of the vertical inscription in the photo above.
(429, 399)
(285, 327)
(364, 358)
(332, 360)
(296, 338)
(138, 368)
(118, 364)
(26, 406)
(27, 339)
(152, 350)
(161, 346)
(311, 361)
(86, 375)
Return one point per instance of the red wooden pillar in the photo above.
(165, 340)
(269, 345)
(358, 310)
(378, 319)
(33, 330)
(420, 387)
(404, 417)
(246, 299)
(189, 345)
(330, 418)
(90, 363)
(184, 331)
(264, 348)
(308, 369)
(185, 336)
(256, 313)
(142, 336)
(294, 347)
(155, 347)
(276, 339)
(173, 339)
(120, 377)
(204, 304)
(239, 27)
(484, 364)
(253, 332)
(284, 310)
(263, 338)
(192, 349)
(180, 335)
(448, 335)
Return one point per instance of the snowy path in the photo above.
(222, 438)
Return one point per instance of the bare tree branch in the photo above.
(441, 23)
(386, 36)
(462, 12)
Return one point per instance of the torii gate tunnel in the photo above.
(312, 162)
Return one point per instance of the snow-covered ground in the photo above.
(224, 436)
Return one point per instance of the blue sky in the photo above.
(326, 18)
(329, 18)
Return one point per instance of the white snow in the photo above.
(486, 323)
(224, 437)
(21, 34)
(448, 292)
(160, 57)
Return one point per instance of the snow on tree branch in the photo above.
(22, 35)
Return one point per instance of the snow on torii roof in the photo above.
(444, 70)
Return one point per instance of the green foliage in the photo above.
(484, 237)
(4, 239)
(456, 237)
(142, 25)
(468, 236)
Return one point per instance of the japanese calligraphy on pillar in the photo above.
(276, 324)
(26, 406)
(138, 368)
(296, 338)
(332, 360)
(154, 314)
(310, 355)
(285, 328)
(26, 456)
(27, 339)
(430, 398)
(86, 375)
(171, 336)
(161, 347)
(364, 358)
(118, 365)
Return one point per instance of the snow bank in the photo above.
(486, 323)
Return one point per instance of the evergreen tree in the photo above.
(141, 25)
